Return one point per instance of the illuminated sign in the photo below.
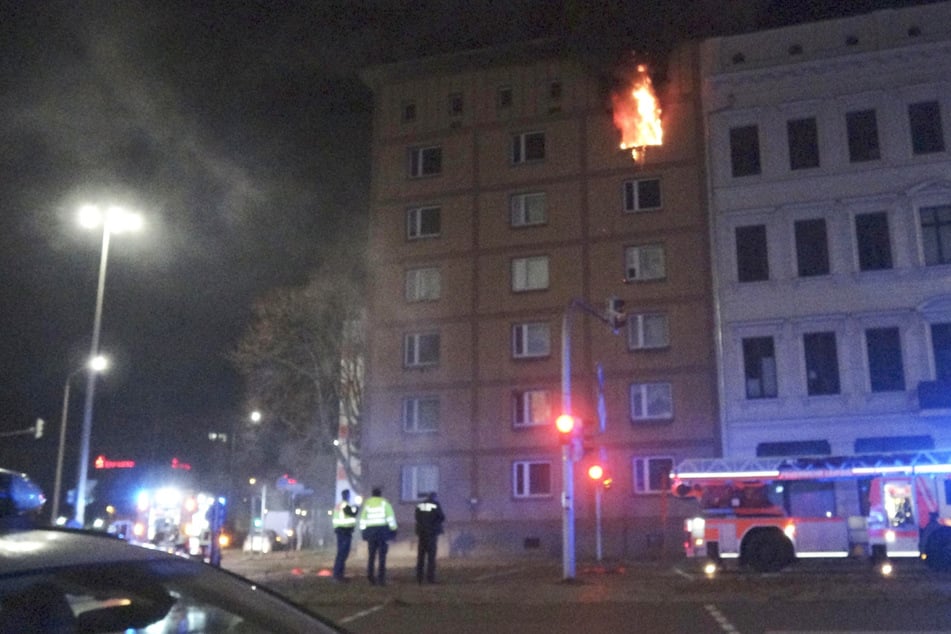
(104, 463)
(184, 466)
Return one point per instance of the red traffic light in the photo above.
(595, 472)
(565, 423)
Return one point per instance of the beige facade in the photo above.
(475, 259)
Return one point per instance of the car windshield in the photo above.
(144, 596)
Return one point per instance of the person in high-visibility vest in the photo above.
(344, 521)
(378, 526)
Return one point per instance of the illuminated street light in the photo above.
(111, 220)
(96, 364)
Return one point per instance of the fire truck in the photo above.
(768, 512)
(176, 520)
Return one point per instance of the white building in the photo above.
(830, 194)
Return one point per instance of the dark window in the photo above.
(812, 250)
(409, 111)
(885, 369)
(759, 363)
(874, 245)
(862, 129)
(642, 194)
(455, 104)
(744, 150)
(529, 146)
(425, 161)
(803, 143)
(890, 444)
(926, 132)
(793, 448)
(936, 234)
(752, 261)
(505, 97)
(822, 363)
(941, 348)
(554, 90)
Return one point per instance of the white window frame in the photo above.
(530, 273)
(634, 196)
(641, 471)
(638, 334)
(417, 161)
(531, 407)
(415, 225)
(520, 147)
(645, 262)
(521, 473)
(423, 284)
(416, 480)
(412, 348)
(523, 334)
(412, 408)
(524, 214)
(644, 396)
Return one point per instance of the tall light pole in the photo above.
(96, 364)
(111, 220)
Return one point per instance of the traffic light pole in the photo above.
(567, 455)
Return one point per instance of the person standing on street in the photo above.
(344, 520)
(378, 525)
(429, 521)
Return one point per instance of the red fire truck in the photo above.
(767, 512)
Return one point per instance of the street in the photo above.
(529, 596)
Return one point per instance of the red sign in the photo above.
(184, 466)
(104, 463)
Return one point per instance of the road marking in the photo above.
(718, 616)
(361, 614)
(684, 574)
(493, 575)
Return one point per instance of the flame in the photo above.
(637, 115)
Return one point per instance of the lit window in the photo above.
(651, 401)
(421, 349)
(421, 414)
(640, 195)
(644, 263)
(531, 340)
(652, 475)
(417, 480)
(528, 209)
(527, 147)
(423, 222)
(531, 479)
(423, 284)
(425, 161)
(530, 274)
(530, 407)
(647, 331)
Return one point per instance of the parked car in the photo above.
(62, 580)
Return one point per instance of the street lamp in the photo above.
(96, 364)
(111, 220)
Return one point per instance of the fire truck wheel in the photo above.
(768, 551)
(938, 550)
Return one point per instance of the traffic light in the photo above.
(38, 430)
(566, 424)
(597, 473)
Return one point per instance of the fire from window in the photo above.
(637, 115)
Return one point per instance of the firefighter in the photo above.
(378, 526)
(429, 521)
(344, 520)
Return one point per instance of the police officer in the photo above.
(429, 521)
(344, 520)
(378, 525)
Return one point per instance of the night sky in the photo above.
(240, 131)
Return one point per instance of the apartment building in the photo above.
(500, 202)
(830, 204)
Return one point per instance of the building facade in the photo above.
(830, 204)
(500, 202)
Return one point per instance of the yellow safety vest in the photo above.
(341, 519)
(377, 512)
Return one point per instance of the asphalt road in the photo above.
(528, 596)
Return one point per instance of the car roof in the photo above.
(43, 548)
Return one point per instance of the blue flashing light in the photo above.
(258, 523)
(23, 493)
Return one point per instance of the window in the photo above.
(936, 234)
(455, 104)
(874, 244)
(530, 274)
(505, 97)
(644, 263)
(652, 475)
(646, 331)
(531, 479)
(528, 209)
(528, 146)
(803, 138)
(744, 151)
(651, 401)
(862, 129)
(425, 161)
(642, 194)
(927, 135)
(885, 369)
(752, 258)
(531, 340)
(423, 284)
(530, 407)
(423, 222)
(554, 90)
(417, 480)
(421, 414)
(759, 367)
(941, 348)
(409, 111)
(421, 349)
(812, 249)
(822, 363)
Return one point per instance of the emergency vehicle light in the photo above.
(698, 475)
